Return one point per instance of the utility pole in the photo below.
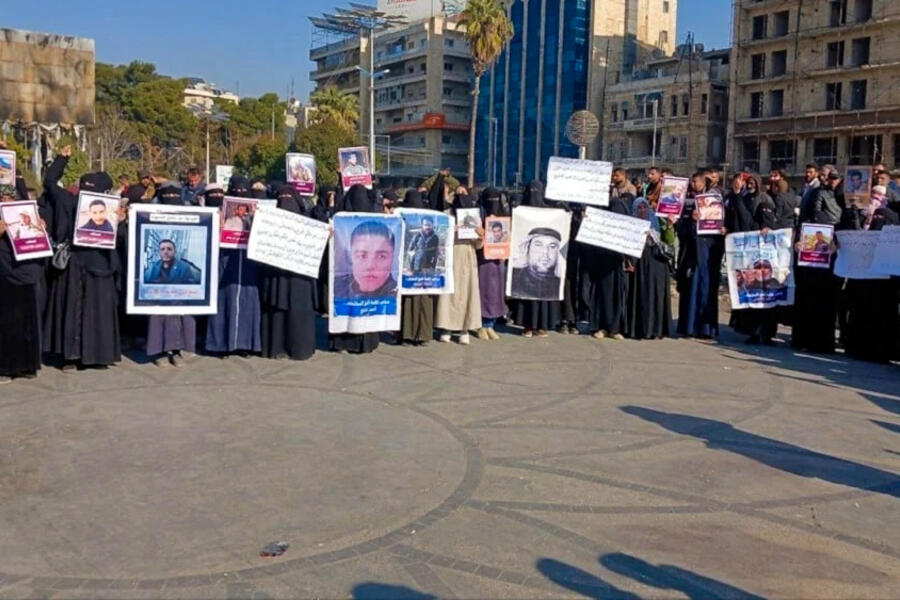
(655, 108)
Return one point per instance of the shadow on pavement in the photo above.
(382, 591)
(779, 455)
(581, 582)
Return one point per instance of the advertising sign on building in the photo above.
(415, 10)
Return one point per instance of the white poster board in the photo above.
(583, 181)
(619, 233)
(540, 245)
(887, 254)
(288, 241)
(856, 254)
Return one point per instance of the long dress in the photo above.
(492, 287)
(417, 319)
(22, 291)
(288, 322)
(607, 281)
(698, 277)
(236, 325)
(649, 303)
(171, 333)
(461, 310)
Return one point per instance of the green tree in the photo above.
(322, 139)
(79, 163)
(333, 104)
(264, 159)
(488, 31)
(157, 110)
(111, 81)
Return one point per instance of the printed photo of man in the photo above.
(170, 269)
(821, 244)
(98, 218)
(240, 220)
(498, 235)
(371, 258)
(352, 166)
(423, 248)
(28, 229)
(538, 279)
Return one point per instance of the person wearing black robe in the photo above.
(871, 328)
(288, 300)
(81, 319)
(741, 204)
(649, 303)
(536, 316)
(438, 193)
(816, 294)
(417, 313)
(356, 200)
(606, 281)
(699, 271)
(22, 295)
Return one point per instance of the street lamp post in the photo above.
(655, 105)
(372, 75)
(209, 114)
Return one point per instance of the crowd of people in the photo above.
(69, 310)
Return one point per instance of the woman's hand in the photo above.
(695, 215)
(66, 151)
(2, 228)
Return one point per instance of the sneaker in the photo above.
(617, 336)
(176, 359)
(541, 333)
(599, 335)
(574, 330)
(464, 339)
(484, 335)
(528, 333)
(161, 361)
(493, 335)
(563, 330)
(445, 338)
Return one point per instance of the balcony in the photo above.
(643, 124)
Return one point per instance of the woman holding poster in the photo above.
(649, 305)
(492, 272)
(742, 216)
(461, 311)
(417, 313)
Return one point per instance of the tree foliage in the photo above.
(263, 159)
(156, 108)
(334, 105)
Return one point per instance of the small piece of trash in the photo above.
(274, 549)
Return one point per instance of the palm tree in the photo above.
(332, 103)
(488, 31)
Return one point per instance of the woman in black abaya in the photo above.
(288, 322)
(606, 281)
(649, 304)
(536, 316)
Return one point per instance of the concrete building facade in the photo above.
(815, 81)
(681, 99)
(423, 97)
(202, 93)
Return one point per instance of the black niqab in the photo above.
(534, 195)
(413, 199)
(291, 201)
(357, 199)
(239, 186)
(436, 193)
(169, 194)
(492, 202)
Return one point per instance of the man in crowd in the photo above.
(193, 188)
(621, 187)
(653, 188)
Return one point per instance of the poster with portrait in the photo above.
(24, 230)
(671, 198)
(96, 220)
(538, 249)
(7, 167)
(173, 266)
(468, 220)
(712, 214)
(575, 180)
(497, 238)
(223, 175)
(759, 269)
(428, 252)
(355, 167)
(301, 172)
(815, 246)
(366, 252)
(858, 185)
(236, 221)
(288, 241)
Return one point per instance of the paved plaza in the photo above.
(545, 468)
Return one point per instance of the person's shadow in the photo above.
(383, 591)
(779, 455)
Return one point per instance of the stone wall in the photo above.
(46, 78)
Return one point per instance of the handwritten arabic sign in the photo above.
(286, 240)
(584, 181)
(613, 231)
(887, 253)
(856, 254)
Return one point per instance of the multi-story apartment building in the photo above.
(564, 56)
(423, 96)
(682, 100)
(815, 81)
(202, 93)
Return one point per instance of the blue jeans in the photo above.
(488, 323)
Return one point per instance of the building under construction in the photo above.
(815, 81)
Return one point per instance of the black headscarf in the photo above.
(291, 201)
(169, 193)
(135, 194)
(213, 197)
(883, 217)
(413, 199)
(515, 199)
(492, 203)
(436, 193)
(357, 199)
(239, 186)
(534, 195)
(765, 213)
(99, 182)
(464, 201)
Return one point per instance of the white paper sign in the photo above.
(468, 220)
(613, 231)
(856, 252)
(887, 253)
(584, 181)
(287, 240)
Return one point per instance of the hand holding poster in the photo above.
(856, 254)
(7, 167)
(759, 269)
(815, 245)
(671, 199)
(712, 214)
(96, 220)
(540, 244)
(366, 251)
(25, 230)
(496, 238)
(468, 221)
(428, 255)
(301, 172)
(355, 167)
(619, 233)
(887, 253)
(237, 219)
(173, 266)
(858, 185)
(287, 241)
(574, 180)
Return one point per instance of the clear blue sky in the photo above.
(261, 45)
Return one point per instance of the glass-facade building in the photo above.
(527, 97)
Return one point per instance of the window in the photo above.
(825, 151)
(838, 14)
(624, 111)
(865, 150)
(445, 139)
(860, 51)
(760, 26)
(448, 66)
(611, 152)
(674, 111)
(751, 156)
(717, 109)
(448, 92)
(704, 103)
(835, 54)
(423, 68)
(757, 66)
(666, 6)
(833, 92)
(756, 105)
(411, 46)
(779, 63)
(685, 105)
(623, 148)
(683, 147)
(450, 43)
(614, 113)
(858, 94)
(782, 154)
(776, 103)
(663, 38)
(862, 10)
(780, 23)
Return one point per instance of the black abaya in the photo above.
(607, 281)
(21, 297)
(649, 303)
(536, 315)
